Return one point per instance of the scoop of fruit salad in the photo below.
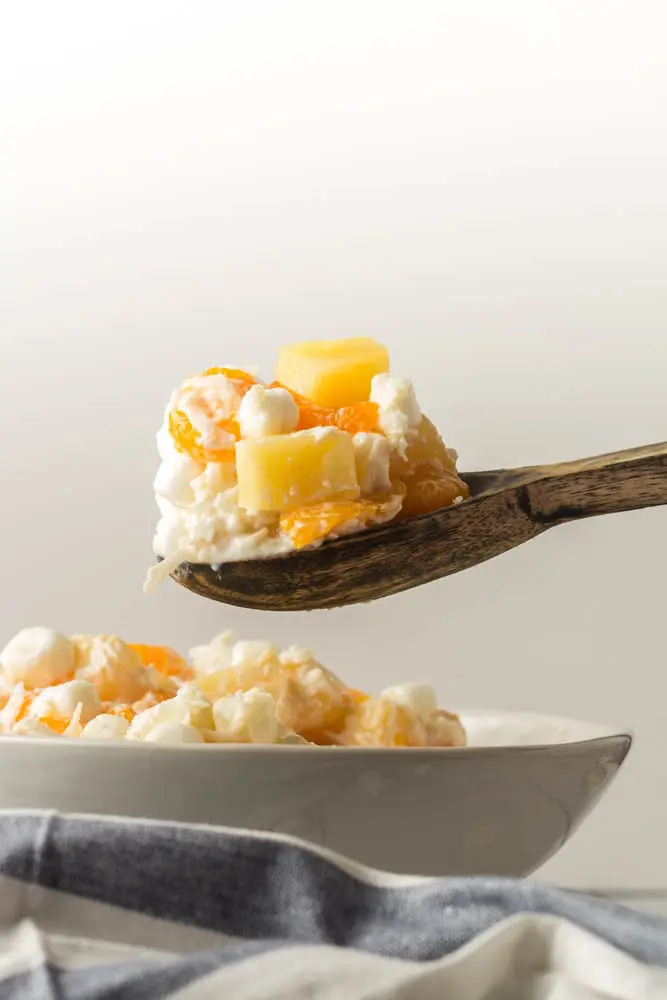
(334, 445)
(99, 687)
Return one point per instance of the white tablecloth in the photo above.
(94, 908)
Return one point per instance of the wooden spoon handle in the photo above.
(608, 484)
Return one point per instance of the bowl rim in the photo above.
(598, 733)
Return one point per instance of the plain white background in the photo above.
(479, 185)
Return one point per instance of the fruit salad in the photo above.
(334, 444)
(102, 688)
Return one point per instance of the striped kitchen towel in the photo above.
(95, 908)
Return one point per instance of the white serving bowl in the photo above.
(502, 805)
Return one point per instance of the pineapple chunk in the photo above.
(294, 470)
(332, 373)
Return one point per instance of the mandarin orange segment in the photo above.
(428, 472)
(308, 524)
(426, 446)
(310, 415)
(353, 419)
(57, 726)
(318, 699)
(430, 488)
(358, 418)
(242, 380)
(28, 698)
(187, 439)
(314, 416)
(356, 696)
(321, 737)
(328, 733)
(122, 711)
(166, 660)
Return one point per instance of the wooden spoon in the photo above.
(506, 508)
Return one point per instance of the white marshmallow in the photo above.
(60, 702)
(189, 707)
(248, 717)
(38, 657)
(32, 727)
(215, 655)
(420, 698)
(264, 412)
(174, 732)
(106, 727)
(250, 652)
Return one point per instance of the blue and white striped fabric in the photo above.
(95, 908)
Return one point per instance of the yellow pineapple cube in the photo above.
(332, 372)
(287, 471)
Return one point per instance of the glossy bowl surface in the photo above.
(502, 805)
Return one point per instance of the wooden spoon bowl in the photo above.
(506, 508)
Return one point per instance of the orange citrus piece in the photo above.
(329, 732)
(28, 698)
(306, 525)
(430, 487)
(188, 440)
(425, 446)
(353, 419)
(55, 725)
(122, 711)
(242, 380)
(357, 418)
(310, 415)
(428, 473)
(357, 697)
(166, 660)
(318, 700)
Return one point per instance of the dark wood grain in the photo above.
(506, 508)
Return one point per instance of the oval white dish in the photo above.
(502, 805)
